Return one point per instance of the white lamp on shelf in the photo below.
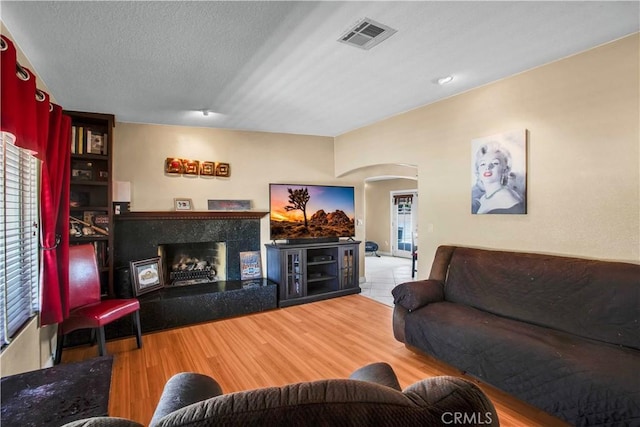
(121, 197)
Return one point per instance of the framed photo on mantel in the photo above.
(183, 204)
(228, 205)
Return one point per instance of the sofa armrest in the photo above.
(398, 322)
(379, 373)
(182, 390)
(448, 395)
(413, 295)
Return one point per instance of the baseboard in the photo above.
(48, 363)
(380, 253)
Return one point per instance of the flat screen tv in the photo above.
(304, 212)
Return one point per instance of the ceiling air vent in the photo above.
(366, 34)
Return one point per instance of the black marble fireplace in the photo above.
(138, 234)
(215, 239)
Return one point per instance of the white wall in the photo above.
(582, 114)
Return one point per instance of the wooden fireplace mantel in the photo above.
(198, 215)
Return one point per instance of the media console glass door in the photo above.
(348, 261)
(294, 280)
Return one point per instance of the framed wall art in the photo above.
(173, 165)
(223, 169)
(207, 168)
(146, 275)
(187, 167)
(499, 174)
(190, 167)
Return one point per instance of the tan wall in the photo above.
(583, 157)
(23, 353)
(377, 196)
(256, 159)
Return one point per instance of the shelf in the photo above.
(332, 261)
(89, 156)
(317, 290)
(320, 279)
(89, 208)
(87, 239)
(87, 182)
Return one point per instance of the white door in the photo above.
(404, 222)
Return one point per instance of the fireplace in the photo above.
(139, 234)
(203, 250)
(193, 263)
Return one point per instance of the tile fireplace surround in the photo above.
(137, 236)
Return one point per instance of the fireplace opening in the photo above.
(194, 263)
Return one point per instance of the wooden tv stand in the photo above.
(313, 271)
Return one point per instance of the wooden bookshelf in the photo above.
(90, 210)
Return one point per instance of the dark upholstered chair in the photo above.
(371, 396)
(88, 310)
(371, 247)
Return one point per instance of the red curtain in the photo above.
(54, 216)
(35, 124)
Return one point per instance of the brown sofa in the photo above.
(560, 333)
(370, 397)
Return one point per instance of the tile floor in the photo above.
(382, 274)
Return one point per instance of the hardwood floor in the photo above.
(326, 339)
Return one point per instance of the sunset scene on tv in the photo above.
(309, 211)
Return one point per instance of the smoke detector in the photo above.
(366, 33)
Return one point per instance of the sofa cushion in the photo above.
(593, 299)
(583, 381)
(413, 295)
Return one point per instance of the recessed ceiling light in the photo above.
(204, 115)
(444, 80)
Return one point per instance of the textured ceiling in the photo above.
(277, 66)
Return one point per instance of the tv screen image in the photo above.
(311, 211)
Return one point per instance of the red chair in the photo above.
(88, 310)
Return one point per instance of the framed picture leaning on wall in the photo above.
(250, 265)
(146, 275)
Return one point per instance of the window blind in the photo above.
(402, 198)
(19, 260)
